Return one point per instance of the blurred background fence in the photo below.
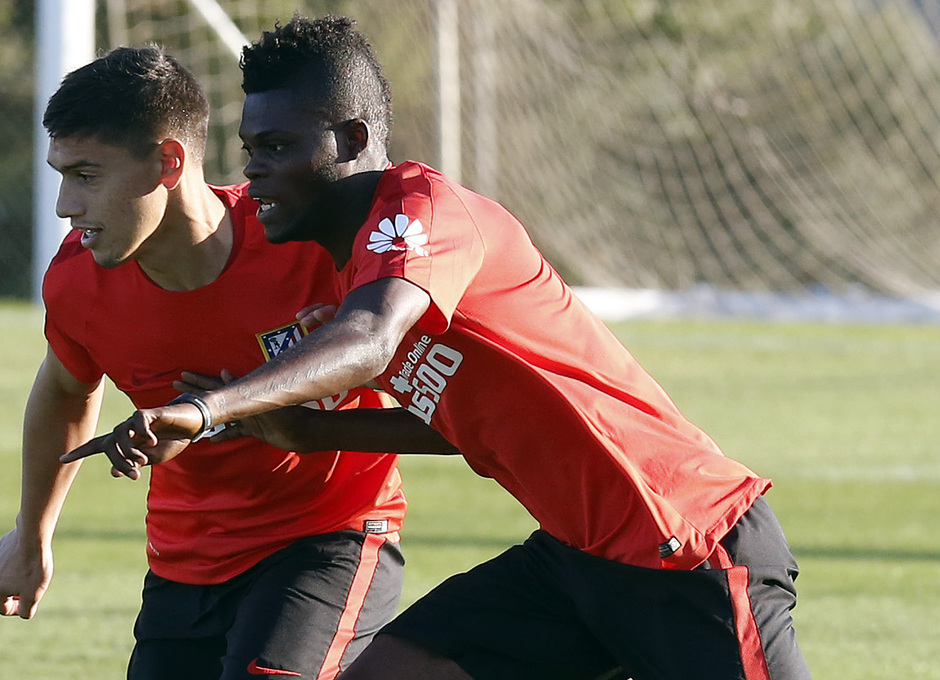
(781, 145)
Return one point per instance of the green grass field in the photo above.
(844, 418)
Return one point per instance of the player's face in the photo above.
(109, 195)
(292, 163)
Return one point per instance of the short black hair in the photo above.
(329, 48)
(131, 97)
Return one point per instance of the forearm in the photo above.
(375, 430)
(320, 366)
(349, 351)
(56, 420)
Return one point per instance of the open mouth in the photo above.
(89, 235)
(265, 206)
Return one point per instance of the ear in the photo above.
(352, 139)
(172, 162)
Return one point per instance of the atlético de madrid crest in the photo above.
(275, 341)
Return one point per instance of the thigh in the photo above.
(545, 609)
(177, 659)
(507, 619)
(180, 631)
(725, 620)
(659, 624)
(312, 607)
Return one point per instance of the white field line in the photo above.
(856, 306)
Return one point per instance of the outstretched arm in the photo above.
(350, 351)
(377, 430)
(305, 430)
(61, 412)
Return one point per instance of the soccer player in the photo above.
(262, 562)
(656, 554)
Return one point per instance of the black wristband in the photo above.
(203, 409)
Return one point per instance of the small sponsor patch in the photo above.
(670, 547)
(404, 234)
(376, 526)
(275, 341)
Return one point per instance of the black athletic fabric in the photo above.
(281, 614)
(546, 610)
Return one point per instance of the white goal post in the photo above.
(65, 40)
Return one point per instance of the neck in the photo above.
(347, 212)
(194, 241)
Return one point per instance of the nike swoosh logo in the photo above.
(255, 669)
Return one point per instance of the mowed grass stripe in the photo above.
(842, 417)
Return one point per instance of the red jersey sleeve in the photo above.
(73, 356)
(413, 235)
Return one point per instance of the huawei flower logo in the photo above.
(403, 234)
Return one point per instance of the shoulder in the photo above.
(412, 178)
(252, 244)
(236, 199)
(73, 266)
(243, 210)
(75, 286)
(69, 249)
(418, 191)
(437, 202)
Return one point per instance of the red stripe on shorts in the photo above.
(752, 651)
(346, 629)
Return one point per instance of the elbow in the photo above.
(384, 344)
(384, 353)
(372, 356)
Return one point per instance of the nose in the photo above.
(67, 205)
(254, 168)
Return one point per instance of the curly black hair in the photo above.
(131, 97)
(330, 53)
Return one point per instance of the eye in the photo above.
(275, 147)
(247, 150)
(85, 177)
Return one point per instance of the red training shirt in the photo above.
(219, 508)
(534, 389)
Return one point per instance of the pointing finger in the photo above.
(89, 448)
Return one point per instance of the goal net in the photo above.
(780, 145)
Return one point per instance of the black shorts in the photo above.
(546, 610)
(305, 611)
